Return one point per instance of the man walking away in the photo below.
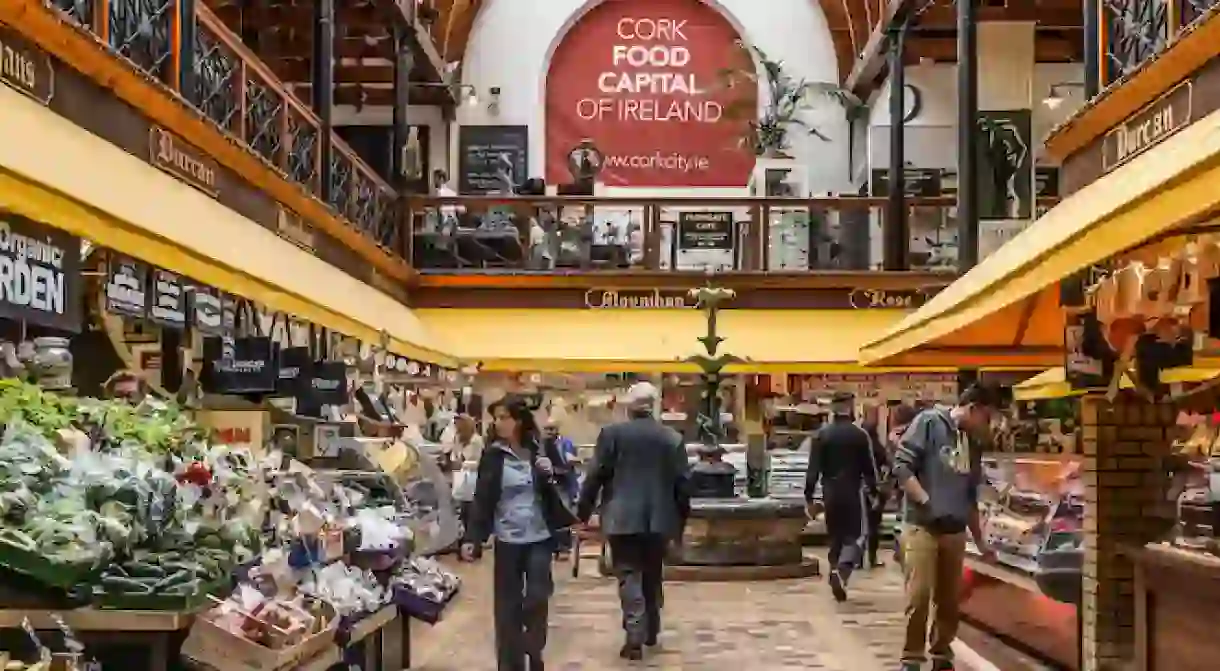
(840, 455)
(938, 464)
(640, 472)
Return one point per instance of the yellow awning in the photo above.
(1050, 383)
(58, 173)
(789, 341)
(1191, 374)
(1009, 301)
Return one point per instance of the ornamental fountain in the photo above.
(728, 536)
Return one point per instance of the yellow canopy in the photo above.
(654, 340)
(1050, 383)
(64, 176)
(1008, 303)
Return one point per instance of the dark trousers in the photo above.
(639, 563)
(522, 591)
(874, 532)
(845, 526)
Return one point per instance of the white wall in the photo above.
(417, 115)
(512, 40)
(938, 118)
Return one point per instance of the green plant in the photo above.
(787, 97)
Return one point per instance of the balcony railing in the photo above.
(238, 92)
(1133, 31)
(561, 234)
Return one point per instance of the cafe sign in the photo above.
(1148, 127)
(887, 299)
(25, 67)
(635, 300)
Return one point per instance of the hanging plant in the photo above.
(787, 98)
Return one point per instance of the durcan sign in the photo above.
(638, 80)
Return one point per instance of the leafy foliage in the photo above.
(787, 98)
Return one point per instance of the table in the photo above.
(156, 631)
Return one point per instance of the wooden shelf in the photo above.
(92, 619)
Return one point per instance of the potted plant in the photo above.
(787, 98)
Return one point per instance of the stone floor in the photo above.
(773, 626)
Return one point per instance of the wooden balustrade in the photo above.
(239, 93)
(725, 234)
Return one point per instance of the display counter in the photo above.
(1176, 592)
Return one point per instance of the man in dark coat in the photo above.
(640, 472)
(840, 456)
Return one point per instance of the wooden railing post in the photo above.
(101, 20)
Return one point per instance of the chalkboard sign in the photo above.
(705, 230)
(480, 166)
(168, 306)
(126, 287)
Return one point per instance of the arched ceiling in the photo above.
(850, 21)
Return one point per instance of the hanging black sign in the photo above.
(126, 287)
(168, 306)
(705, 230)
(239, 366)
(1088, 360)
(40, 281)
(296, 365)
(205, 310)
(328, 383)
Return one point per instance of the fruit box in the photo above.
(219, 648)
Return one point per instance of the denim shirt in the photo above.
(519, 518)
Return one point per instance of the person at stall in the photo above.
(126, 385)
(938, 465)
(517, 500)
(565, 473)
(462, 447)
(641, 476)
(840, 456)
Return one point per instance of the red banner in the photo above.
(633, 98)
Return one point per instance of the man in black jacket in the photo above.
(640, 472)
(840, 455)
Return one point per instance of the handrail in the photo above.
(848, 201)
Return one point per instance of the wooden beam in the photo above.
(872, 60)
(1048, 17)
(356, 95)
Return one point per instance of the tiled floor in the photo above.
(773, 626)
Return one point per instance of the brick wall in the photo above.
(1123, 443)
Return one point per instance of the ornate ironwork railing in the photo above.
(238, 92)
(565, 234)
(1133, 31)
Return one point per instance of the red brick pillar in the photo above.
(1124, 442)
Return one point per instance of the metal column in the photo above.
(323, 62)
(895, 234)
(186, 49)
(1092, 48)
(404, 60)
(967, 135)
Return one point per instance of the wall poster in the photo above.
(636, 84)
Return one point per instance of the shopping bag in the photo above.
(464, 481)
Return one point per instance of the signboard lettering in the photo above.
(883, 299)
(181, 160)
(39, 274)
(705, 230)
(291, 228)
(639, 80)
(168, 306)
(1148, 127)
(613, 298)
(126, 287)
(205, 306)
(25, 67)
(492, 159)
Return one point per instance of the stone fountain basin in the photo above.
(742, 532)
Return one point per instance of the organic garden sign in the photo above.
(637, 81)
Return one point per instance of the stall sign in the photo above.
(296, 364)
(205, 310)
(40, 281)
(1148, 127)
(705, 230)
(126, 287)
(327, 384)
(638, 300)
(168, 300)
(883, 299)
(178, 158)
(240, 366)
(25, 67)
(228, 313)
